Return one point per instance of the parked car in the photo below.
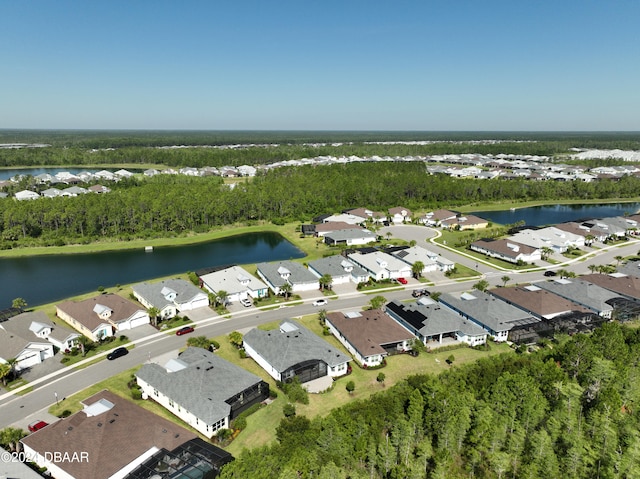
(550, 273)
(402, 281)
(37, 425)
(116, 353)
(320, 302)
(419, 292)
(246, 302)
(185, 330)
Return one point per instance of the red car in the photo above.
(37, 425)
(185, 330)
(402, 281)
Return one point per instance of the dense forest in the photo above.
(167, 205)
(567, 411)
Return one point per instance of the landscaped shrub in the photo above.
(136, 394)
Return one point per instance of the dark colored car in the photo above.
(116, 353)
(37, 425)
(419, 292)
(185, 330)
(550, 273)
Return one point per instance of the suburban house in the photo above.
(26, 195)
(550, 237)
(344, 218)
(618, 224)
(101, 316)
(492, 314)
(433, 323)
(278, 273)
(19, 342)
(590, 234)
(507, 250)
(109, 439)
(293, 350)
(381, 265)
(369, 336)
(465, 222)
(170, 296)
(333, 226)
(400, 215)
(340, 269)
(51, 193)
(435, 218)
(622, 284)
(368, 215)
(40, 325)
(202, 389)
(413, 254)
(350, 237)
(237, 282)
(612, 229)
(537, 301)
(588, 295)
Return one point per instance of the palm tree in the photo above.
(325, 281)
(481, 285)
(84, 344)
(563, 273)
(505, 279)
(199, 342)
(417, 268)
(377, 302)
(153, 315)
(11, 437)
(19, 303)
(545, 252)
(592, 268)
(286, 290)
(618, 259)
(222, 297)
(5, 371)
(322, 316)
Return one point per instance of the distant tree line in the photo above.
(570, 412)
(167, 205)
(144, 150)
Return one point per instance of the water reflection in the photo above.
(43, 279)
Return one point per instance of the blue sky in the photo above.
(312, 65)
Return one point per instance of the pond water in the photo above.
(43, 279)
(554, 214)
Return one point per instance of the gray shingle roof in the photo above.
(335, 266)
(351, 233)
(154, 292)
(433, 319)
(298, 273)
(493, 313)
(292, 344)
(203, 386)
(587, 294)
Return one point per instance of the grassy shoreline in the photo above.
(307, 245)
(528, 204)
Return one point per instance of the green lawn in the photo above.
(262, 424)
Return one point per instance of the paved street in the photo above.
(152, 345)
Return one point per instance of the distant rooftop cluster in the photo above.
(17, 146)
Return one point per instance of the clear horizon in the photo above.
(413, 66)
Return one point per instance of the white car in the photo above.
(246, 302)
(320, 302)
